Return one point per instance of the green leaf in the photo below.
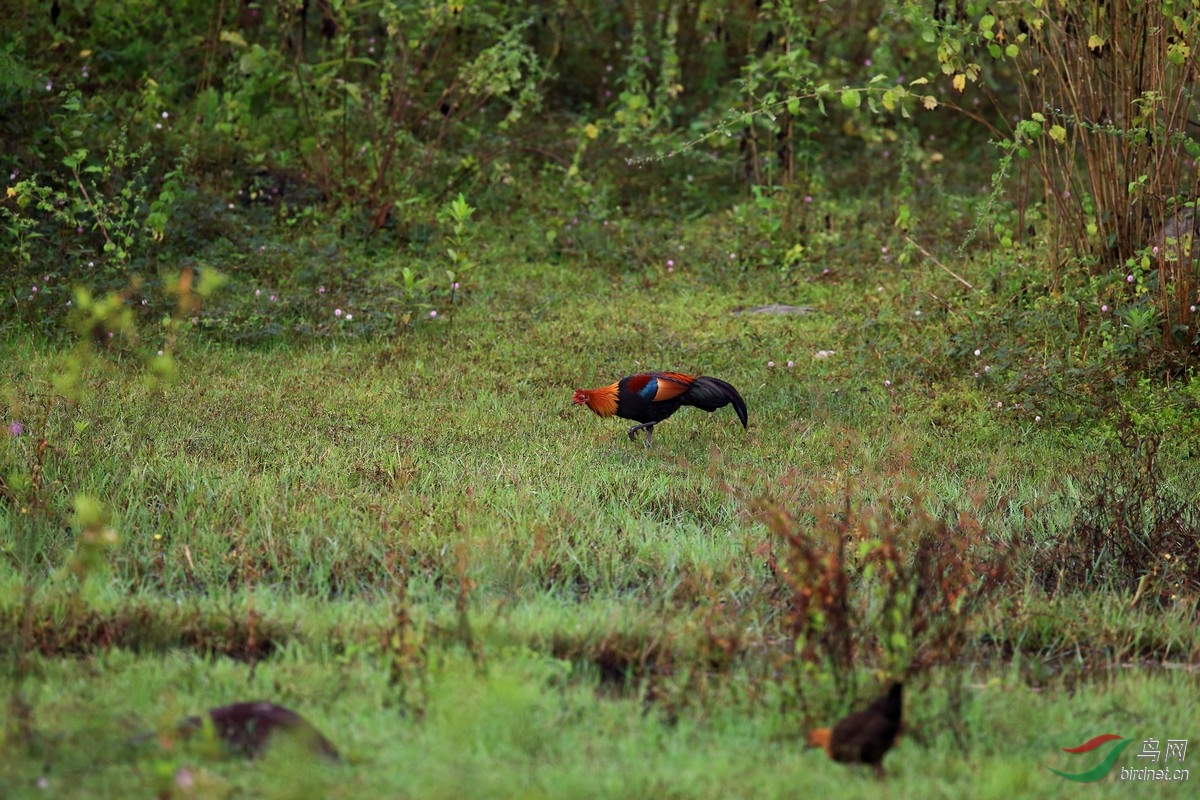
(210, 281)
(76, 158)
(89, 512)
(851, 98)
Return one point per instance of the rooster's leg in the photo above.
(648, 427)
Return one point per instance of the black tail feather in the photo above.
(713, 393)
(891, 705)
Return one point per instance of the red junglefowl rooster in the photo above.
(650, 397)
(864, 737)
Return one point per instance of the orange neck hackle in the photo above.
(820, 737)
(602, 401)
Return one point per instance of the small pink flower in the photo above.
(349, 317)
(976, 351)
(337, 312)
(272, 298)
(670, 263)
(320, 290)
(455, 286)
(1104, 309)
(433, 314)
(1129, 278)
(771, 364)
(257, 292)
(808, 198)
(16, 428)
(887, 383)
(1038, 418)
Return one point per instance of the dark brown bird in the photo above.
(650, 397)
(246, 728)
(864, 737)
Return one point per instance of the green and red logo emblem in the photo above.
(1100, 770)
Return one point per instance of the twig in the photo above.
(933, 258)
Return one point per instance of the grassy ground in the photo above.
(532, 728)
(478, 590)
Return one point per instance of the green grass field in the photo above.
(476, 589)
